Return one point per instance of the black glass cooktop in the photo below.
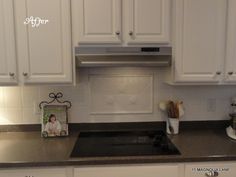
(129, 143)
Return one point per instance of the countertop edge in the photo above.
(73, 163)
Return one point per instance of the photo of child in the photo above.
(53, 127)
(54, 121)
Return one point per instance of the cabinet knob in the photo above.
(25, 74)
(230, 73)
(11, 74)
(212, 174)
(131, 33)
(218, 73)
(117, 33)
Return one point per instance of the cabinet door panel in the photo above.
(97, 21)
(200, 169)
(129, 171)
(147, 21)
(34, 173)
(45, 51)
(200, 40)
(230, 70)
(7, 43)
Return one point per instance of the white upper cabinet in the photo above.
(147, 21)
(200, 27)
(45, 52)
(230, 66)
(7, 43)
(97, 21)
(121, 22)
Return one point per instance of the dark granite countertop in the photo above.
(28, 149)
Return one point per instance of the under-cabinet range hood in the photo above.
(123, 56)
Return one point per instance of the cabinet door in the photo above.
(129, 171)
(147, 21)
(45, 51)
(7, 43)
(203, 169)
(59, 172)
(199, 40)
(230, 70)
(97, 21)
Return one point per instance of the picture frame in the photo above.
(54, 121)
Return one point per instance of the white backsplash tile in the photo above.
(79, 113)
(29, 116)
(13, 116)
(121, 94)
(1, 98)
(12, 97)
(3, 119)
(78, 93)
(30, 96)
(95, 93)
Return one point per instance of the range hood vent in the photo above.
(123, 56)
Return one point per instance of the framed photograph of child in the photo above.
(54, 121)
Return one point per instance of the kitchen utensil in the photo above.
(168, 109)
(163, 105)
(181, 109)
(172, 109)
(177, 109)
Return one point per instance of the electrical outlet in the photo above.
(37, 110)
(211, 105)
